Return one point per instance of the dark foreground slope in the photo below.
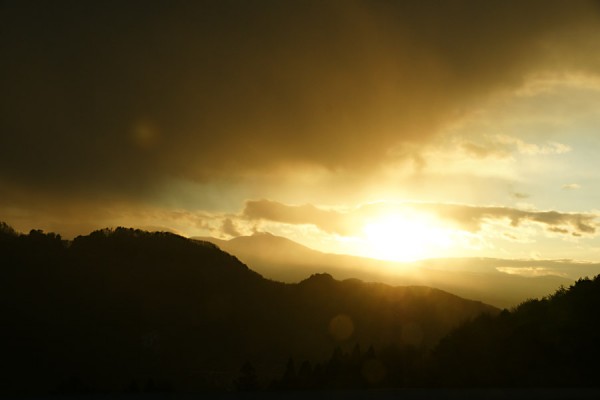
(117, 308)
(550, 342)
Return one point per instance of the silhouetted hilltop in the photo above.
(264, 242)
(125, 308)
(318, 279)
(554, 341)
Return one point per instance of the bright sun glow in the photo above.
(405, 238)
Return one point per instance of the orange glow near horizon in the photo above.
(403, 237)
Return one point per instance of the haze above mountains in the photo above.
(502, 283)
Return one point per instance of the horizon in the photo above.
(387, 130)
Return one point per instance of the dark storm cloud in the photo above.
(113, 95)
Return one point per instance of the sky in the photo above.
(389, 129)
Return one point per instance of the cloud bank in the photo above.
(464, 217)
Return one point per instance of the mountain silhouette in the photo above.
(284, 260)
(127, 308)
(548, 342)
(544, 348)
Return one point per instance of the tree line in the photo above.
(128, 310)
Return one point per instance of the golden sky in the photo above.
(389, 129)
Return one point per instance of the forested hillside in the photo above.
(121, 308)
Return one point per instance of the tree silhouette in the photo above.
(554, 341)
(247, 381)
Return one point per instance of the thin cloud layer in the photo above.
(464, 217)
(471, 218)
(501, 146)
(329, 221)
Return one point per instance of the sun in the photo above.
(405, 237)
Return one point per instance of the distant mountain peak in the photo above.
(268, 242)
(318, 278)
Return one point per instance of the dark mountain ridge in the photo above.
(544, 348)
(124, 305)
